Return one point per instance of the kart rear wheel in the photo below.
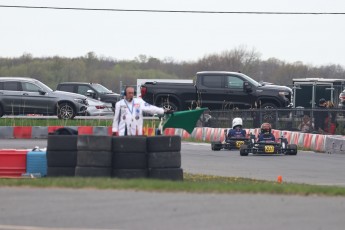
(243, 150)
(292, 149)
(216, 146)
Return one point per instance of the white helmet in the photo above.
(237, 121)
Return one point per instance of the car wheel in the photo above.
(243, 150)
(65, 111)
(166, 105)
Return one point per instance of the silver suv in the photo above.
(21, 95)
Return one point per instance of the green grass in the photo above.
(193, 183)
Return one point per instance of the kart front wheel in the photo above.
(244, 150)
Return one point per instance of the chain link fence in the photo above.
(291, 119)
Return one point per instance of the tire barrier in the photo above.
(129, 157)
(94, 156)
(164, 157)
(61, 155)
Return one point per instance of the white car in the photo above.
(98, 108)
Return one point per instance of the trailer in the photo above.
(308, 91)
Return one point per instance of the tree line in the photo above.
(110, 72)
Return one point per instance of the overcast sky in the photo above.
(313, 39)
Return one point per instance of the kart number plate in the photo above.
(239, 143)
(269, 149)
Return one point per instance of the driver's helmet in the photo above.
(266, 128)
(237, 121)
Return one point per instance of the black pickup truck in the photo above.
(217, 90)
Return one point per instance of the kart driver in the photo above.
(128, 118)
(266, 133)
(237, 130)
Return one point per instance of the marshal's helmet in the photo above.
(266, 128)
(237, 121)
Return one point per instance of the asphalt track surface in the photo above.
(34, 208)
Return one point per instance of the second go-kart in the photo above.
(281, 147)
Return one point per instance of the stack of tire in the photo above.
(129, 157)
(94, 156)
(164, 157)
(61, 155)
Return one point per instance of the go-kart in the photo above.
(280, 147)
(231, 142)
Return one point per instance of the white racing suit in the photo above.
(128, 118)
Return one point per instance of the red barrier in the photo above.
(185, 134)
(22, 132)
(320, 140)
(198, 134)
(52, 129)
(12, 162)
(307, 140)
(110, 131)
(85, 130)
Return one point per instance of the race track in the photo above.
(50, 209)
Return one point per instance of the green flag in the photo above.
(184, 119)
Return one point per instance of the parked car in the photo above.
(93, 90)
(98, 108)
(22, 95)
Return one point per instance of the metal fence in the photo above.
(283, 119)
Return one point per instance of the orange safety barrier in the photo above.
(307, 140)
(22, 132)
(208, 134)
(185, 134)
(198, 134)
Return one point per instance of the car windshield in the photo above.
(101, 89)
(43, 86)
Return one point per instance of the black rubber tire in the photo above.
(1, 111)
(164, 144)
(130, 173)
(60, 171)
(243, 151)
(62, 142)
(293, 148)
(94, 158)
(94, 142)
(164, 159)
(66, 111)
(166, 174)
(61, 158)
(215, 145)
(92, 172)
(129, 144)
(129, 161)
